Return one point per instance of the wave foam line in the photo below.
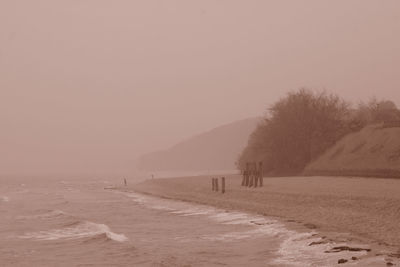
(294, 249)
(80, 230)
(50, 214)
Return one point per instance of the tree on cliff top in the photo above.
(297, 129)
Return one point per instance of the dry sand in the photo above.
(373, 151)
(367, 208)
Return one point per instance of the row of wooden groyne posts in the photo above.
(252, 177)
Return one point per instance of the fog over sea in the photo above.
(79, 222)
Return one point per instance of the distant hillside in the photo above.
(217, 149)
(374, 151)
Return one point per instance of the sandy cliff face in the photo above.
(217, 149)
(373, 151)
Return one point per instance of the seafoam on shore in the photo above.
(297, 247)
(300, 202)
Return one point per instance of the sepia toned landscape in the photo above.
(199, 133)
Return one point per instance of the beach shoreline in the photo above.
(349, 209)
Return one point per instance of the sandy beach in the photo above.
(365, 208)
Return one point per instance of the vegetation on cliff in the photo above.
(301, 126)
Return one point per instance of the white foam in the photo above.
(256, 232)
(195, 213)
(259, 225)
(189, 212)
(45, 215)
(136, 197)
(51, 214)
(116, 237)
(80, 230)
(294, 250)
(161, 207)
(233, 218)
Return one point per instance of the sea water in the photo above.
(80, 222)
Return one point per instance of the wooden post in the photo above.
(252, 175)
(244, 177)
(247, 173)
(216, 184)
(213, 184)
(223, 185)
(125, 182)
(260, 173)
(255, 175)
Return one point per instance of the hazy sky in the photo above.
(88, 85)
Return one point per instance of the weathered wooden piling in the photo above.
(260, 171)
(255, 174)
(247, 174)
(244, 177)
(213, 184)
(252, 174)
(125, 182)
(223, 185)
(216, 184)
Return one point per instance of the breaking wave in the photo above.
(295, 249)
(48, 214)
(77, 230)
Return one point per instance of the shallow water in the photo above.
(54, 222)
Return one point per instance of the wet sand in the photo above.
(366, 208)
